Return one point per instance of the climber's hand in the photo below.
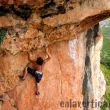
(45, 46)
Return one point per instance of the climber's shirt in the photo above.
(37, 74)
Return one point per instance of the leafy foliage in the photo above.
(106, 72)
(3, 32)
(105, 53)
(105, 60)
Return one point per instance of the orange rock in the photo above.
(73, 55)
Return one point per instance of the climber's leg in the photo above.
(31, 71)
(37, 89)
(38, 77)
(23, 76)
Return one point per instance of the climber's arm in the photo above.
(24, 73)
(29, 58)
(49, 55)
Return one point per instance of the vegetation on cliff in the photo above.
(3, 32)
(105, 53)
(105, 58)
(106, 72)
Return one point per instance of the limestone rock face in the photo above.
(70, 30)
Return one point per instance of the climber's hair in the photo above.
(40, 61)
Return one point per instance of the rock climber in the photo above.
(35, 69)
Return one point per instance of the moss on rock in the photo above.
(3, 32)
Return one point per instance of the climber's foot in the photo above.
(37, 93)
(21, 77)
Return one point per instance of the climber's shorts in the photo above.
(37, 74)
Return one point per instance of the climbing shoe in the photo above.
(21, 78)
(38, 93)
